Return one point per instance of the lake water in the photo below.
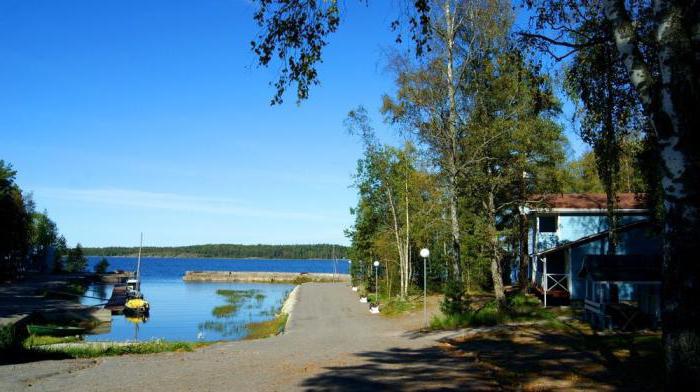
(185, 311)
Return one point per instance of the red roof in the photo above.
(625, 201)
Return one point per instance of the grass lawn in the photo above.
(484, 312)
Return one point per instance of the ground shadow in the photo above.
(512, 358)
(532, 358)
(21, 355)
(401, 369)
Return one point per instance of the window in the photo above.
(548, 224)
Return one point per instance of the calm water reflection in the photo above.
(184, 311)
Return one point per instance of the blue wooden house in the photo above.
(567, 229)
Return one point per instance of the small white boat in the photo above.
(135, 303)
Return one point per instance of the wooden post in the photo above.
(570, 278)
(544, 276)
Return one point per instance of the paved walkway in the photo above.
(22, 298)
(332, 343)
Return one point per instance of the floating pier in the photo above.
(117, 300)
(263, 277)
(115, 277)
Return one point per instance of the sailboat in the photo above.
(135, 303)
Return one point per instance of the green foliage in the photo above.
(224, 310)
(15, 230)
(480, 133)
(76, 260)
(234, 299)
(519, 308)
(101, 266)
(11, 338)
(295, 32)
(301, 279)
(44, 239)
(233, 251)
(93, 350)
(455, 300)
(395, 305)
(42, 340)
(26, 236)
(268, 328)
(235, 296)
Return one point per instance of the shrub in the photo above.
(455, 301)
(301, 279)
(519, 308)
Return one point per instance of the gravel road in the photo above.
(332, 343)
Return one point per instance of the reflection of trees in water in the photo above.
(100, 290)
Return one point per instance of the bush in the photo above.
(519, 308)
(101, 266)
(455, 301)
(10, 338)
(301, 279)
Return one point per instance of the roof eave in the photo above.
(589, 210)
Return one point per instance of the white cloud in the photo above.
(178, 202)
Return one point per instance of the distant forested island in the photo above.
(231, 251)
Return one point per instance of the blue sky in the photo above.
(128, 116)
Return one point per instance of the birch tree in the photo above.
(658, 44)
(387, 179)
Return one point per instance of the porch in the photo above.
(550, 275)
(622, 291)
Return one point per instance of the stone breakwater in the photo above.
(263, 277)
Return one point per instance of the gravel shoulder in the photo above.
(332, 342)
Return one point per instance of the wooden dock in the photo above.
(115, 277)
(117, 300)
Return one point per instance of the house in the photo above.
(622, 291)
(567, 229)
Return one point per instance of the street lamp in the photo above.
(425, 253)
(376, 282)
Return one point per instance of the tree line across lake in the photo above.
(310, 251)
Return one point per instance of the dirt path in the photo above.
(332, 343)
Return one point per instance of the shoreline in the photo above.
(263, 277)
(214, 257)
(288, 306)
(286, 310)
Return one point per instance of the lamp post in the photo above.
(425, 253)
(350, 271)
(376, 282)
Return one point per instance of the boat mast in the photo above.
(138, 266)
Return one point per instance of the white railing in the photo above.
(557, 280)
(552, 281)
